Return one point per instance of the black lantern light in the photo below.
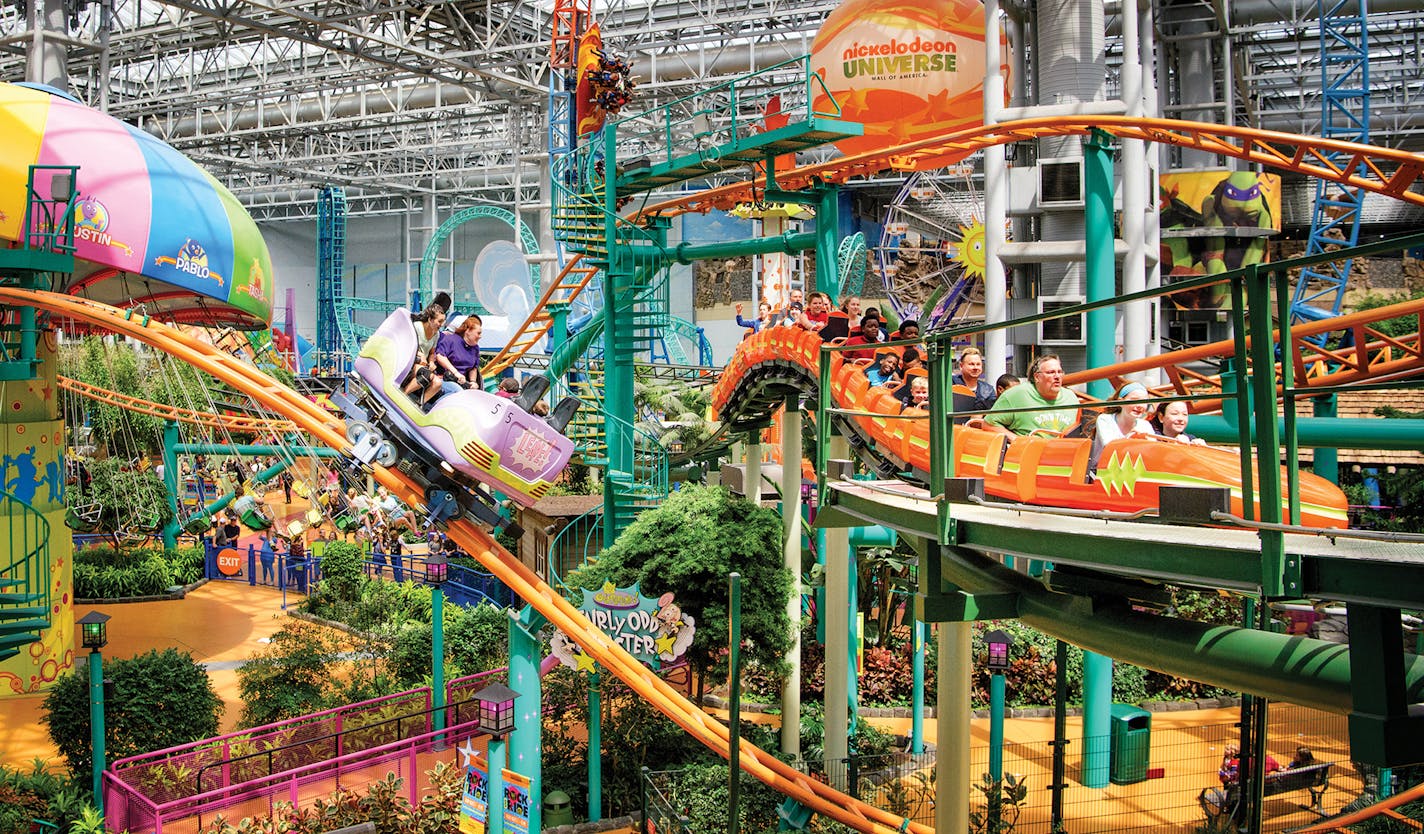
(437, 569)
(999, 645)
(94, 630)
(496, 709)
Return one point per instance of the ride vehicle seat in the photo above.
(488, 438)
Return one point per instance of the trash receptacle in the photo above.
(558, 809)
(1131, 744)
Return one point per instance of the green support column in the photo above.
(1100, 263)
(525, 741)
(952, 737)
(437, 656)
(170, 483)
(1382, 729)
(1274, 583)
(559, 325)
(595, 748)
(1101, 324)
(96, 725)
(1327, 458)
(619, 349)
(840, 651)
(917, 673)
(494, 820)
(828, 268)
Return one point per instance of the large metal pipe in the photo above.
(996, 201)
(1280, 667)
(1326, 432)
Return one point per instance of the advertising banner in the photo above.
(516, 802)
(1212, 222)
(474, 804)
(906, 69)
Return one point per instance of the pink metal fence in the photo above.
(408, 759)
(243, 773)
(178, 789)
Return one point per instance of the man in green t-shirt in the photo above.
(1046, 392)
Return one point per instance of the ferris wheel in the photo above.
(931, 250)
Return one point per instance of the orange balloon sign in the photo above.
(229, 563)
(906, 70)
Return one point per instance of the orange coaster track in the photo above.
(328, 429)
(226, 422)
(1374, 356)
(1385, 809)
(1379, 170)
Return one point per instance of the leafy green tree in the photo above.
(342, 566)
(160, 699)
(687, 546)
(291, 677)
(673, 412)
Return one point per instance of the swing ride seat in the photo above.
(486, 438)
(255, 520)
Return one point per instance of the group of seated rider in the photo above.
(446, 361)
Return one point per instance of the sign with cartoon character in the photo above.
(652, 630)
(1212, 222)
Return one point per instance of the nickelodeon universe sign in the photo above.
(897, 57)
(904, 69)
(652, 630)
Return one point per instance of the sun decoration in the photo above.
(968, 252)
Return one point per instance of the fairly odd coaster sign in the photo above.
(652, 630)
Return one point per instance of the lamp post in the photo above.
(437, 569)
(999, 645)
(496, 703)
(94, 635)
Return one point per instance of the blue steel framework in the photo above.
(1345, 114)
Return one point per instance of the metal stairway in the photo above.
(1345, 114)
(635, 305)
(25, 596)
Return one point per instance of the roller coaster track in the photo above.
(327, 429)
(569, 284)
(1372, 356)
(1386, 171)
(226, 422)
(1386, 809)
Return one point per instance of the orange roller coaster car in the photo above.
(1049, 471)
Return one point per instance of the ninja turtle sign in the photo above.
(652, 630)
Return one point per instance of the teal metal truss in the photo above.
(354, 334)
(330, 267)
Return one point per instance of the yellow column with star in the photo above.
(32, 447)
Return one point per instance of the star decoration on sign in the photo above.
(467, 754)
(585, 662)
(665, 643)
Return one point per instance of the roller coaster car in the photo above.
(1048, 471)
(483, 437)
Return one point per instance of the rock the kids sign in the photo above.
(651, 630)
